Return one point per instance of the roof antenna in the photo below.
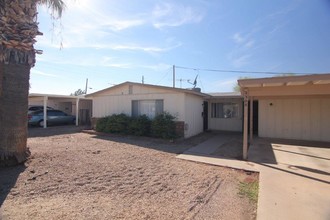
(142, 79)
(194, 83)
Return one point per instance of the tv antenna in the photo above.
(182, 80)
(193, 83)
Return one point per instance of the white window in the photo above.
(150, 108)
(224, 110)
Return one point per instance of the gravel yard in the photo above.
(73, 175)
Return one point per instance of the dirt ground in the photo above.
(73, 175)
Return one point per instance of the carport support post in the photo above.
(245, 128)
(77, 111)
(45, 111)
(251, 119)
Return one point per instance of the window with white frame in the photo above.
(150, 108)
(224, 110)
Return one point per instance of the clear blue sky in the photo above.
(110, 42)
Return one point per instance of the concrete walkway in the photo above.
(294, 180)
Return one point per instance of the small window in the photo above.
(224, 110)
(150, 108)
(130, 89)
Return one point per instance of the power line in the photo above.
(242, 71)
(166, 74)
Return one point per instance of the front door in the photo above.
(205, 115)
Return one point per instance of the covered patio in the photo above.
(290, 107)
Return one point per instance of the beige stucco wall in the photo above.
(295, 118)
(193, 115)
(226, 124)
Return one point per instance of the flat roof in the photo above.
(57, 96)
(286, 80)
(225, 95)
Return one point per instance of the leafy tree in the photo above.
(18, 28)
(236, 87)
(78, 92)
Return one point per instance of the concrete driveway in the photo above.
(294, 181)
(294, 178)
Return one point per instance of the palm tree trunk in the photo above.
(14, 88)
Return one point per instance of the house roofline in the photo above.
(151, 86)
(286, 80)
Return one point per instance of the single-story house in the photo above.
(79, 106)
(137, 99)
(289, 107)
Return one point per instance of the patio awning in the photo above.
(285, 86)
(317, 84)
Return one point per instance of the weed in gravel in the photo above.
(250, 190)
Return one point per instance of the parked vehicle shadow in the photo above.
(55, 130)
(8, 178)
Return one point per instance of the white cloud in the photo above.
(105, 25)
(238, 38)
(158, 67)
(173, 15)
(249, 44)
(145, 49)
(38, 72)
(241, 60)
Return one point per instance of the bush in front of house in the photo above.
(162, 126)
(139, 126)
(117, 123)
(101, 124)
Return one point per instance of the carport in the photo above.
(290, 107)
(74, 105)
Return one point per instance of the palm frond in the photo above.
(56, 6)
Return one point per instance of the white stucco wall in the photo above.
(295, 118)
(119, 101)
(193, 115)
(226, 124)
(185, 107)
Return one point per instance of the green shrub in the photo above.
(101, 124)
(117, 123)
(140, 126)
(163, 126)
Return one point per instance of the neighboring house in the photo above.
(65, 103)
(137, 99)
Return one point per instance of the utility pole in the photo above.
(142, 79)
(86, 86)
(173, 76)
